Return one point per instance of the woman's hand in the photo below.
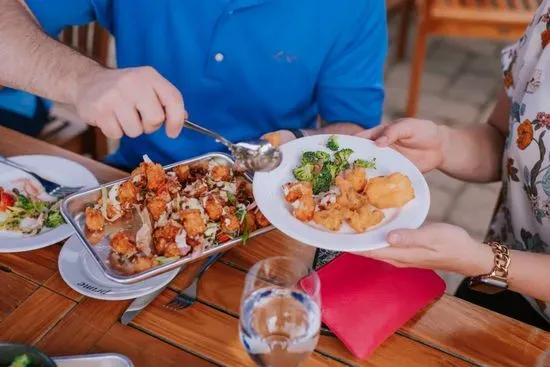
(421, 141)
(436, 246)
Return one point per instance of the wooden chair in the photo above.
(490, 19)
(93, 41)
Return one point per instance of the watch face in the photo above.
(487, 285)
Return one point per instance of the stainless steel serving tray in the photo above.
(94, 360)
(73, 208)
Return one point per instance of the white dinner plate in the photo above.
(79, 270)
(270, 198)
(56, 169)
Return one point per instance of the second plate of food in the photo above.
(342, 193)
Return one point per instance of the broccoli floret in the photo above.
(364, 163)
(332, 143)
(333, 168)
(55, 219)
(24, 203)
(342, 156)
(304, 172)
(309, 157)
(322, 181)
(322, 156)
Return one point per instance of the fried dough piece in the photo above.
(193, 223)
(331, 219)
(182, 172)
(364, 218)
(121, 243)
(304, 208)
(348, 197)
(94, 220)
(296, 190)
(393, 191)
(220, 173)
(127, 195)
(357, 177)
(261, 220)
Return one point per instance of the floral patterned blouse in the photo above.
(522, 219)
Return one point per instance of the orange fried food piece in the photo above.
(172, 250)
(193, 223)
(230, 223)
(304, 208)
(364, 218)
(348, 197)
(127, 195)
(275, 138)
(94, 220)
(220, 173)
(157, 207)
(357, 178)
(155, 175)
(182, 172)
(199, 167)
(392, 191)
(137, 177)
(296, 190)
(261, 220)
(213, 205)
(331, 219)
(122, 244)
(163, 236)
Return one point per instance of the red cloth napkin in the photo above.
(364, 301)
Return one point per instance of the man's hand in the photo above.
(130, 102)
(436, 246)
(421, 141)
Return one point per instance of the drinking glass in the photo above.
(280, 312)
(544, 359)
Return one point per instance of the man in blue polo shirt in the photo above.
(244, 68)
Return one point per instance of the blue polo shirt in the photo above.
(244, 67)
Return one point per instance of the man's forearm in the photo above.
(344, 128)
(34, 62)
(473, 154)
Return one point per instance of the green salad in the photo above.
(19, 213)
(21, 361)
(320, 168)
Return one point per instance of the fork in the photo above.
(188, 296)
(53, 189)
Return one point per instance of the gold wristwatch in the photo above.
(497, 280)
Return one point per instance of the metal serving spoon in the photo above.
(255, 155)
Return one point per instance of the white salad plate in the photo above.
(80, 271)
(270, 199)
(56, 169)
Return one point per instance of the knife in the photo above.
(139, 304)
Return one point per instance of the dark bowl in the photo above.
(8, 352)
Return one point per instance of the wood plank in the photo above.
(480, 335)
(396, 351)
(145, 350)
(82, 327)
(13, 291)
(203, 330)
(37, 265)
(14, 143)
(274, 243)
(58, 285)
(38, 314)
(222, 287)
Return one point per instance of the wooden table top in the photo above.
(37, 307)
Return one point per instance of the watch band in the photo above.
(502, 260)
(497, 280)
(298, 133)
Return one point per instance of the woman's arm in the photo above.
(529, 274)
(475, 153)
